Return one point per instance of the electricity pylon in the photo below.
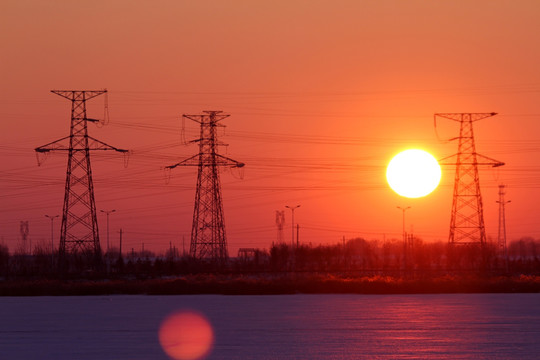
(208, 240)
(501, 238)
(79, 232)
(467, 219)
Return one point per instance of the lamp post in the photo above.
(292, 227)
(108, 212)
(404, 209)
(52, 217)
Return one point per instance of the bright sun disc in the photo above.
(413, 173)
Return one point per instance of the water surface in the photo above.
(449, 326)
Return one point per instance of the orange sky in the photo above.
(321, 94)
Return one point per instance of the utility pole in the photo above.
(52, 217)
(292, 226)
(297, 235)
(108, 212)
(120, 250)
(467, 218)
(79, 231)
(404, 233)
(403, 209)
(208, 239)
(501, 239)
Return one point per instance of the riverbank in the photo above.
(270, 285)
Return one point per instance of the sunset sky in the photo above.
(322, 94)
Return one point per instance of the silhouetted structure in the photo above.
(208, 239)
(24, 230)
(79, 231)
(467, 219)
(280, 222)
(501, 238)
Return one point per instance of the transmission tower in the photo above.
(79, 232)
(208, 240)
(501, 238)
(467, 219)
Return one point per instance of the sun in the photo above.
(413, 173)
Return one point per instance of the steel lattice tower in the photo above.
(208, 240)
(79, 231)
(467, 219)
(501, 238)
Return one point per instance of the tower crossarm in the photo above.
(459, 116)
(225, 161)
(479, 160)
(485, 160)
(54, 145)
(93, 144)
(190, 161)
(197, 160)
(75, 95)
(100, 145)
(217, 115)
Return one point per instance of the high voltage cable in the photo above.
(532, 87)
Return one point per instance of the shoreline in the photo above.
(275, 285)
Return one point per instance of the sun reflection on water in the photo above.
(186, 335)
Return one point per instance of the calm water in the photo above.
(490, 326)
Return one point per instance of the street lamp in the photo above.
(403, 232)
(52, 217)
(292, 211)
(107, 212)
